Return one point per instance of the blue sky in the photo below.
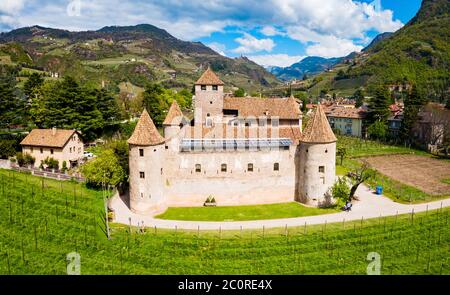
(270, 32)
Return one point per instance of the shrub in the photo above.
(20, 159)
(340, 190)
(51, 163)
(29, 159)
(7, 148)
(104, 169)
(64, 166)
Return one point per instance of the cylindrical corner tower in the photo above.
(317, 160)
(146, 158)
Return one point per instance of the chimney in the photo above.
(54, 131)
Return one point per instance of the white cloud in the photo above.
(271, 31)
(217, 47)
(11, 7)
(304, 20)
(279, 60)
(333, 47)
(251, 44)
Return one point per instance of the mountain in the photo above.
(418, 53)
(135, 54)
(310, 65)
(377, 39)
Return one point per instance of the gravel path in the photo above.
(368, 206)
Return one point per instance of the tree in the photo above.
(105, 169)
(9, 102)
(359, 97)
(378, 130)
(155, 103)
(413, 102)
(341, 190)
(361, 175)
(107, 105)
(342, 153)
(379, 105)
(32, 85)
(7, 148)
(239, 93)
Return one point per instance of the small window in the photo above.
(51, 151)
(141, 152)
(198, 168)
(322, 169)
(247, 124)
(250, 167)
(208, 115)
(142, 175)
(42, 151)
(215, 88)
(276, 167)
(223, 168)
(203, 87)
(31, 149)
(210, 102)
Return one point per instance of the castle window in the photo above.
(250, 167)
(198, 168)
(141, 152)
(203, 87)
(51, 151)
(208, 115)
(322, 169)
(326, 151)
(142, 175)
(42, 150)
(223, 168)
(210, 102)
(215, 87)
(276, 167)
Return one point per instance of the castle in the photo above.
(239, 150)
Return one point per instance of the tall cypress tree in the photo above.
(379, 105)
(9, 101)
(413, 102)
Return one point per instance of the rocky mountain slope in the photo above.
(135, 54)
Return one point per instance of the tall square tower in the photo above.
(208, 100)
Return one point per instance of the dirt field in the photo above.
(423, 173)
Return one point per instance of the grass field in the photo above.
(42, 221)
(237, 213)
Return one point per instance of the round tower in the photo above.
(172, 126)
(317, 160)
(146, 158)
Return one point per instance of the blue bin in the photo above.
(379, 190)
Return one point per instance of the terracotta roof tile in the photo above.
(224, 131)
(209, 78)
(145, 133)
(318, 129)
(342, 112)
(284, 108)
(174, 116)
(48, 137)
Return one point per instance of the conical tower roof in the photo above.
(209, 78)
(145, 133)
(318, 129)
(174, 116)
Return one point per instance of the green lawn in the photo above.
(238, 213)
(357, 148)
(42, 221)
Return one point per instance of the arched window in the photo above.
(276, 167)
(223, 168)
(198, 168)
